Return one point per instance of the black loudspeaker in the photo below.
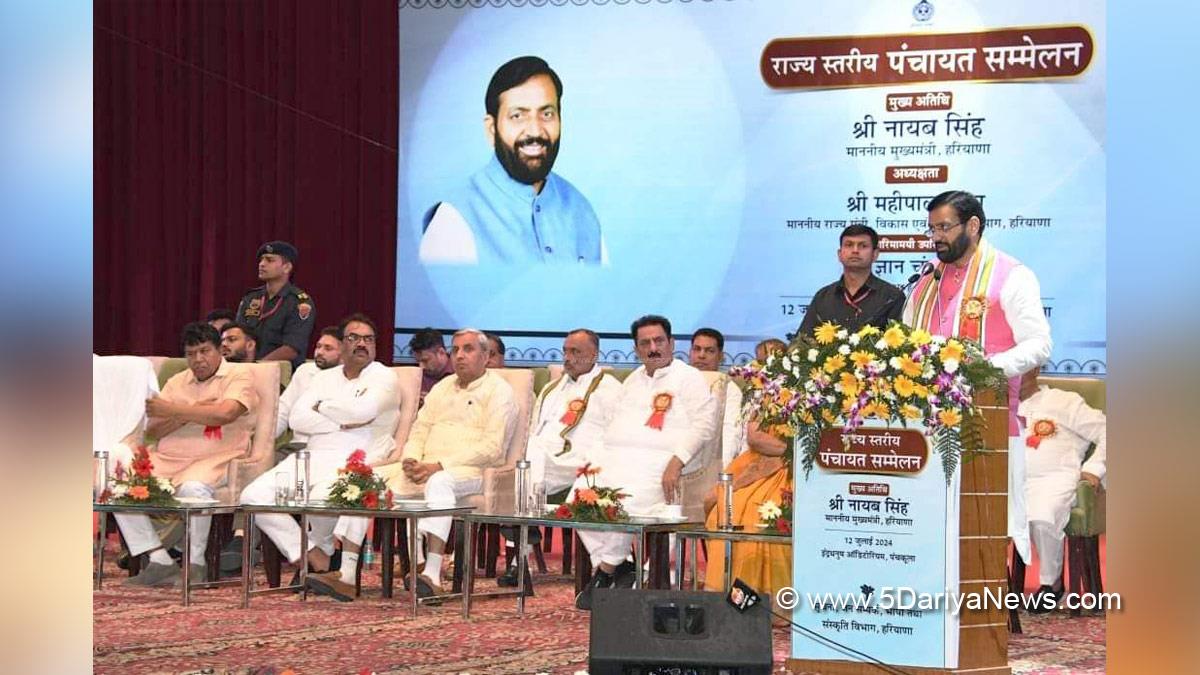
(680, 632)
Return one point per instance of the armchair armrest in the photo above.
(1088, 514)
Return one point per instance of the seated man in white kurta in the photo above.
(1059, 427)
(566, 427)
(463, 428)
(352, 407)
(664, 415)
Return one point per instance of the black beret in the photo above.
(278, 248)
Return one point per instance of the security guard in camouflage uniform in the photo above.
(281, 314)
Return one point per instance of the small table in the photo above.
(694, 533)
(386, 553)
(186, 512)
(639, 527)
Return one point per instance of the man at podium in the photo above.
(979, 292)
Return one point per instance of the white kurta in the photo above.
(636, 454)
(287, 400)
(733, 426)
(1053, 468)
(120, 387)
(545, 452)
(370, 398)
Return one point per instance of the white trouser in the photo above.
(282, 528)
(1048, 540)
(1050, 488)
(610, 548)
(139, 531)
(559, 478)
(442, 491)
(1018, 520)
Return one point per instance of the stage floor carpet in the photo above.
(149, 631)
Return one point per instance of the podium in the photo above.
(982, 558)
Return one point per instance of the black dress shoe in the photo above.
(623, 576)
(600, 579)
(1045, 600)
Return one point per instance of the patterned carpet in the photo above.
(149, 631)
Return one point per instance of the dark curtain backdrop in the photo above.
(221, 125)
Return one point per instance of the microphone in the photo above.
(927, 268)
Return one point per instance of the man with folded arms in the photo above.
(327, 354)
(203, 419)
(664, 415)
(464, 426)
(352, 407)
(567, 426)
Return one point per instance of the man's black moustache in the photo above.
(544, 142)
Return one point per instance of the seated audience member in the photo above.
(238, 343)
(220, 318)
(708, 348)
(342, 409)
(1059, 428)
(768, 347)
(858, 297)
(462, 429)
(759, 475)
(327, 354)
(203, 419)
(566, 427)
(495, 351)
(664, 414)
(430, 352)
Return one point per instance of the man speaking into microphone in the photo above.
(858, 297)
(979, 292)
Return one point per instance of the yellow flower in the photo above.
(826, 332)
(909, 367)
(911, 412)
(893, 337)
(950, 417)
(953, 349)
(860, 359)
(880, 387)
(876, 409)
(921, 390)
(904, 386)
(806, 417)
(785, 395)
(814, 373)
(919, 337)
(835, 363)
(867, 331)
(828, 416)
(782, 431)
(850, 385)
(846, 403)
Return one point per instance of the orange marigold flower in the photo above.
(586, 496)
(139, 492)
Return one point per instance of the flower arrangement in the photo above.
(777, 517)
(357, 486)
(137, 485)
(901, 374)
(591, 503)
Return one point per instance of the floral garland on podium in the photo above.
(898, 375)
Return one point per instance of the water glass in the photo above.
(539, 499)
(283, 488)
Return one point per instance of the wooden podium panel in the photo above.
(983, 560)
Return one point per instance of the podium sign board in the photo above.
(875, 561)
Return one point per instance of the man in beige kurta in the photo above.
(203, 419)
(462, 428)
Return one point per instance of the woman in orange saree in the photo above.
(759, 475)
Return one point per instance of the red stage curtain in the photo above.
(221, 125)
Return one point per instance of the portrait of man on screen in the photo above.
(516, 210)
